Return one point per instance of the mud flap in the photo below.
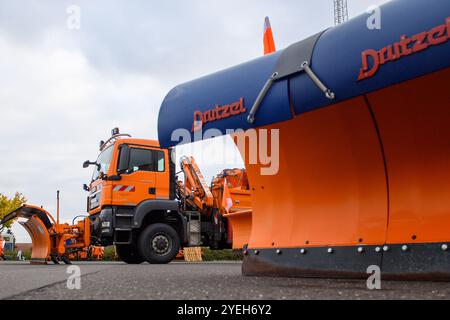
(38, 224)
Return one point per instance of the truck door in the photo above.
(138, 182)
(162, 174)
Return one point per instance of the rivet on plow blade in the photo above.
(405, 248)
(360, 250)
(279, 252)
(330, 250)
(444, 247)
(303, 251)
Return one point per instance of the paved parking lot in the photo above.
(183, 281)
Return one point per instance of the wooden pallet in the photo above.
(193, 254)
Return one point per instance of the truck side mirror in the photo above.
(88, 163)
(124, 159)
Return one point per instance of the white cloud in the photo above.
(55, 107)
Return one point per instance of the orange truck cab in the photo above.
(133, 204)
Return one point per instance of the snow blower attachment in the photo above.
(229, 197)
(363, 118)
(231, 188)
(50, 240)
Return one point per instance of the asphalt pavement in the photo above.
(190, 281)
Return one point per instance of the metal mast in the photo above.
(340, 11)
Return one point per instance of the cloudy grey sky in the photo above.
(62, 90)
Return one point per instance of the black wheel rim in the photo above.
(161, 244)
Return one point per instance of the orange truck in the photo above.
(136, 203)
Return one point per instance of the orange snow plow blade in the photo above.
(346, 145)
(360, 202)
(241, 223)
(40, 240)
(240, 217)
(38, 225)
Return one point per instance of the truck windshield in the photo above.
(104, 160)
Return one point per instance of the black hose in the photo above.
(80, 216)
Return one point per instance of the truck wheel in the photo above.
(159, 243)
(129, 254)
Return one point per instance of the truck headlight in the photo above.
(106, 224)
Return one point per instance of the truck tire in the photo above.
(159, 244)
(129, 254)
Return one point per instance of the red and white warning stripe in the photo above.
(124, 188)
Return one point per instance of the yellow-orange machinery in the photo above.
(232, 186)
(228, 197)
(88, 254)
(50, 239)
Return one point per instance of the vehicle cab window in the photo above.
(146, 160)
(103, 161)
(161, 161)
